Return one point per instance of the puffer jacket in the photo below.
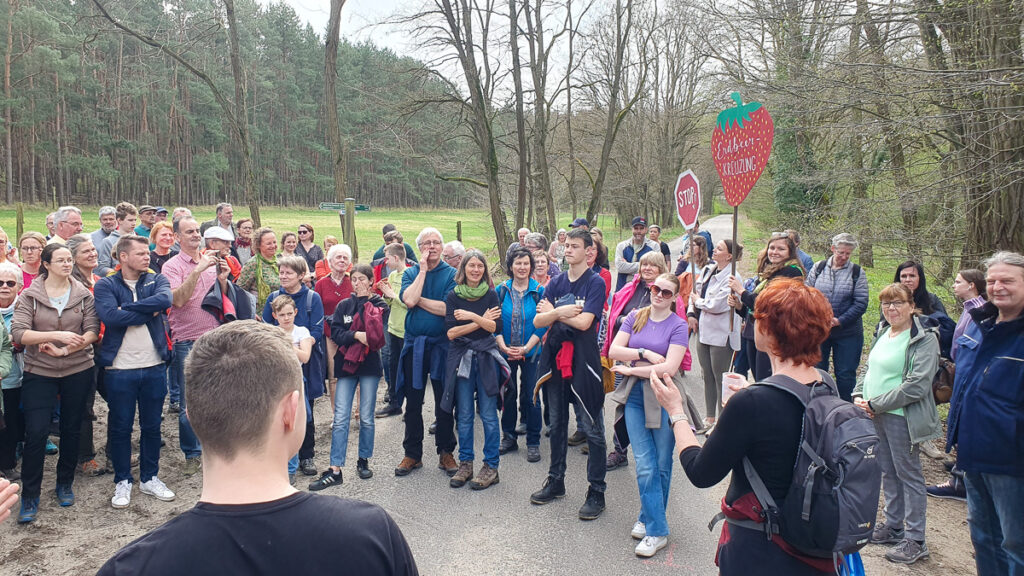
(914, 395)
(35, 312)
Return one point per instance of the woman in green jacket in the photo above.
(896, 392)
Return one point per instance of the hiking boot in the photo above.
(577, 438)
(485, 479)
(447, 463)
(65, 495)
(884, 534)
(650, 545)
(29, 510)
(122, 494)
(406, 466)
(363, 469)
(533, 453)
(307, 467)
(508, 444)
(385, 411)
(463, 475)
(192, 466)
(92, 468)
(11, 474)
(593, 505)
(326, 480)
(928, 449)
(549, 492)
(616, 459)
(51, 448)
(639, 531)
(907, 552)
(952, 489)
(433, 427)
(157, 489)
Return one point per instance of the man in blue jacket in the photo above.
(846, 287)
(986, 419)
(132, 304)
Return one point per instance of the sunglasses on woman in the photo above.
(9, 283)
(663, 292)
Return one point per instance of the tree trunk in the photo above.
(241, 115)
(517, 80)
(331, 100)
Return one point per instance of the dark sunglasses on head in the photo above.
(663, 292)
(9, 283)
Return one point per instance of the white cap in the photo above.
(218, 233)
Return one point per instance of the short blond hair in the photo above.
(227, 417)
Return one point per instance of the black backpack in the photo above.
(832, 502)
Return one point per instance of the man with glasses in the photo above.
(846, 288)
(67, 221)
(191, 275)
(424, 352)
(453, 253)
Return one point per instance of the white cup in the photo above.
(729, 378)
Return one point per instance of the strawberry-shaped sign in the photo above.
(740, 146)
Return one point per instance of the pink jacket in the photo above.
(619, 301)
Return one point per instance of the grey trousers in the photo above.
(902, 480)
(714, 361)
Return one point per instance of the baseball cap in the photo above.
(161, 210)
(639, 221)
(653, 226)
(146, 208)
(218, 233)
(579, 222)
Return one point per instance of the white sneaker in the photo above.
(639, 531)
(650, 545)
(122, 494)
(154, 487)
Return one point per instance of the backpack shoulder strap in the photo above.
(821, 266)
(502, 292)
(309, 303)
(856, 274)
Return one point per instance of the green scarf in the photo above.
(263, 289)
(466, 293)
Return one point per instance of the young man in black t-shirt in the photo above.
(570, 369)
(249, 414)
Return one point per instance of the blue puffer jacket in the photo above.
(118, 309)
(986, 414)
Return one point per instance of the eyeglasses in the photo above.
(9, 283)
(429, 243)
(31, 249)
(663, 292)
(893, 304)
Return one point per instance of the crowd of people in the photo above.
(119, 310)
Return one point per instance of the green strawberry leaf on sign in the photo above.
(740, 146)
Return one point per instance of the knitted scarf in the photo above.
(263, 289)
(466, 293)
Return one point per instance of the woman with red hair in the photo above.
(760, 423)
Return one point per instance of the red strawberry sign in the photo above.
(740, 146)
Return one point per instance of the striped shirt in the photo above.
(190, 321)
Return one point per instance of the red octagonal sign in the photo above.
(687, 196)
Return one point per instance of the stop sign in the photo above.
(687, 196)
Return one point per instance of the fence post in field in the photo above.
(20, 227)
(350, 227)
(458, 230)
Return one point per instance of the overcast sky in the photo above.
(357, 19)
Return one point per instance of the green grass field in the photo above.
(477, 231)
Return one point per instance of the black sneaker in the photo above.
(885, 534)
(307, 467)
(389, 410)
(593, 505)
(326, 480)
(508, 444)
(533, 453)
(952, 489)
(551, 491)
(907, 552)
(577, 438)
(363, 468)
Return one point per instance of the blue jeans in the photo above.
(343, 395)
(186, 437)
(465, 389)
(146, 387)
(524, 394)
(995, 514)
(560, 395)
(173, 385)
(653, 449)
(845, 352)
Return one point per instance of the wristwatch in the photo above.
(681, 417)
(640, 353)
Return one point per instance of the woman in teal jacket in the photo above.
(896, 392)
